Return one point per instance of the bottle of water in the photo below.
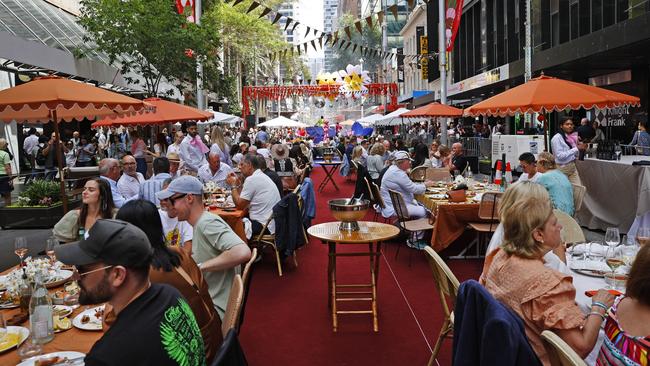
(40, 313)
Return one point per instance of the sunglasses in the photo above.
(81, 274)
(172, 200)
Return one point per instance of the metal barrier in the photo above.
(480, 147)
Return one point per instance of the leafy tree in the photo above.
(371, 38)
(149, 38)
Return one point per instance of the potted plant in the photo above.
(39, 205)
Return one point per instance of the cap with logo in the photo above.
(113, 242)
(186, 184)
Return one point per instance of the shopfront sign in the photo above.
(489, 77)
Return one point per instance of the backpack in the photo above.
(40, 158)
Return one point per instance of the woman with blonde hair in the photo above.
(357, 155)
(375, 161)
(544, 298)
(219, 145)
(445, 157)
(556, 183)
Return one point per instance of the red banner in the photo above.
(182, 4)
(452, 21)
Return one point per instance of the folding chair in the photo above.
(380, 201)
(488, 210)
(559, 352)
(571, 232)
(246, 279)
(447, 285)
(411, 227)
(266, 239)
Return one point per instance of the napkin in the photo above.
(590, 265)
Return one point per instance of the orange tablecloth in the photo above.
(71, 340)
(451, 220)
(234, 219)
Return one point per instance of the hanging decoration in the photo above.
(181, 5)
(355, 80)
(452, 22)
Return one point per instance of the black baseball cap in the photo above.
(113, 242)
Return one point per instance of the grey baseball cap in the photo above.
(113, 242)
(402, 155)
(184, 184)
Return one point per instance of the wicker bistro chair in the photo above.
(404, 219)
(447, 284)
(438, 174)
(379, 201)
(578, 196)
(246, 279)
(418, 174)
(559, 352)
(488, 210)
(233, 309)
(571, 231)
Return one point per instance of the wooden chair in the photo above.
(301, 204)
(246, 278)
(571, 231)
(405, 223)
(578, 196)
(488, 210)
(438, 174)
(447, 285)
(231, 317)
(379, 199)
(266, 239)
(370, 192)
(559, 352)
(418, 174)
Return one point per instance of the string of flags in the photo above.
(336, 38)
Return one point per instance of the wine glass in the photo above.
(20, 248)
(643, 235)
(618, 151)
(612, 237)
(52, 243)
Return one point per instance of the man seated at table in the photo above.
(214, 171)
(129, 183)
(458, 160)
(109, 170)
(397, 179)
(178, 233)
(258, 194)
(150, 324)
(216, 248)
(529, 166)
(174, 164)
(151, 186)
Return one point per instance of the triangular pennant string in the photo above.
(295, 24)
(347, 32)
(237, 2)
(313, 44)
(358, 26)
(393, 9)
(307, 32)
(253, 6)
(369, 21)
(264, 12)
(380, 17)
(277, 18)
(286, 25)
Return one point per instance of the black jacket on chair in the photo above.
(360, 186)
(288, 225)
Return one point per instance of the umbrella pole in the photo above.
(59, 158)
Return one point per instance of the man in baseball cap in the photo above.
(112, 266)
(216, 248)
(396, 178)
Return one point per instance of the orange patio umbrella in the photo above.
(434, 110)
(166, 112)
(52, 98)
(545, 94)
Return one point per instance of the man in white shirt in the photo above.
(259, 194)
(214, 171)
(29, 146)
(177, 233)
(193, 150)
(109, 170)
(528, 165)
(175, 147)
(102, 142)
(129, 183)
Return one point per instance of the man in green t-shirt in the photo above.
(216, 248)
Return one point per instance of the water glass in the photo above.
(643, 235)
(29, 349)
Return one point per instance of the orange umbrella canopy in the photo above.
(35, 101)
(166, 112)
(545, 93)
(434, 110)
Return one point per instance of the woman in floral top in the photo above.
(627, 329)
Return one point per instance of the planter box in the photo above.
(33, 217)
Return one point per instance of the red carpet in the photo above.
(287, 320)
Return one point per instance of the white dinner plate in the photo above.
(24, 333)
(94, 323)
(65, 354)
(62, 309)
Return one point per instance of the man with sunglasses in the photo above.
(216, 248)
(150, 324)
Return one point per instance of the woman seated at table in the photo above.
(544, 298)
(445, 157)
(433, 151)
(421, 156)
(174, 267)
(556, 183)
(375, 161)
(627, 328)
(357, 155)
(96, 203)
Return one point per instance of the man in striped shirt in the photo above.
(154, 184)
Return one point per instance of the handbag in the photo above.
(457, 196)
